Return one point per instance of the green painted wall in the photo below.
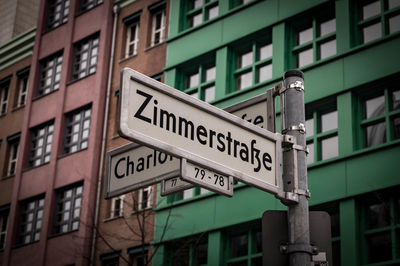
(335, 181)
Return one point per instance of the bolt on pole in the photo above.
(295, 167)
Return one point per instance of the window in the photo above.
(322, 132)
(314, 39)
(50, 74)
(380, 227)
(145, 198)
(138, 256)
(12, 154)
(85, 57)
(199, 11)
(253, 64)
(4, 212)
(188, 252)
(117, 205)
(41, 138)
(245, 248)
(89, 4)
(187, 194)
(380, 121)
(68, 209)
(4, 88)
(200, 82)
(235, 3)
(77, 125)
(110, 259)
(57, 13)
(30, 223)
(377, 19)
(132, 34)
(23, 76)
(157, 23)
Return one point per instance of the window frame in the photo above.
(51, 63)
(64, 13)
(23, 77)
(71, 122)
(162, 28)
(4, 221)
(203, 84)
(4, 95)
(113, 208)
(187, 246)
(90, 4)
(202, 10)
(61, 199)
(315, 112)
(24, 212)
(388, 116)
(135, 42)
(149, 199)
(93, 44)
(47, 134)
(381, 18)
(314, 23)
(12, 154)
(254, 46)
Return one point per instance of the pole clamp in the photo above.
(297, 85)
(296, 248)
(302, 192)
(288, 144)
(301, 128)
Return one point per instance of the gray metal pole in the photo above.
(293, 121)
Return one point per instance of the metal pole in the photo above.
(293, 121)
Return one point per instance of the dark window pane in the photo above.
(327, 49)
(372, 32)
(378, 215)
(329, 148)
(374, 107)
(238, 263)
(396, 100)
(379, 247)
(336, 255)
(394, 24)
(375, 134)
(371, 9)
(201, 254)
(239, 245)
(396, 127)
(257, 242)
(305, 57)
(335, 224)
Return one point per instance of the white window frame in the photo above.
(149, 190)
(4, 94)
(3, 221)
(134, 42)
(160, 30)
(12, 159)
(113, 205)
(23, 88)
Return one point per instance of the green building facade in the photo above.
(226, 51)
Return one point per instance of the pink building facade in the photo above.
(55, 185)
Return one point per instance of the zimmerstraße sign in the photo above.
(163, 118)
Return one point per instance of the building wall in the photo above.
(63, 170)
(120, 234)
(350, 184)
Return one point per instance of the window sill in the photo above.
(4, 114)
(51, 29)
(24, 245)
(79, 13)
(127, 58)
(109, 219)
(16, 108)
(61, 234)
(36, 98)
(33, 167)
(7, 177)
(79, 79)
(141, 210)
(71, 153)
(154, 46)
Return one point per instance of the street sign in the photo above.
(173, 185)
(206, 178)
(166, 119)
(129, 168)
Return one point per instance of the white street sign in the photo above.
(166, 119)
(129, 168)
(206, 178)
(173, 185)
